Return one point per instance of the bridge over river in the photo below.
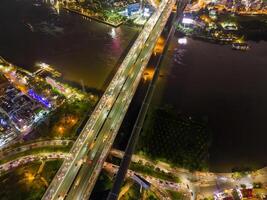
(78, 174)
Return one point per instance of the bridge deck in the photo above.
(75, 179)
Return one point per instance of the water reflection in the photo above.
(82, 49)
(229, 89)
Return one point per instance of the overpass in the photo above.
(77, 175)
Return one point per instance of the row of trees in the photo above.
(176, 138)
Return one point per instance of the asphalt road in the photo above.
(160, 184)
(202, 184)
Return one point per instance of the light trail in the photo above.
(91, 133)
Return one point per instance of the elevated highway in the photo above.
(77, 175)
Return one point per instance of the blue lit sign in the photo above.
(40, 99)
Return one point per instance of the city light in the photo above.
(182, 41)
(30, 177)
(60, 129)
(188, 21)
(40, 99)
(43, 65)
(59, 124)
(112, 33)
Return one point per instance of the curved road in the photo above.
(8, 166)
(202, 184)
(33, 145)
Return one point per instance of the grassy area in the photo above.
(25, 184)
(176, 195)
(151, 171)
(102, 187)
(50, 169)
(149, 195)
(65, 121)
(133, 193)
(175, 138)
(147, 169)
(100, 10)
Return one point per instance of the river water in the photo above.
(226, 86)
(200, 78)
(84, 51)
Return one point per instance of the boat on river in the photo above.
(240, 46)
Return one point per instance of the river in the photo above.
(226, 86)
(200, 78)
(84, 51)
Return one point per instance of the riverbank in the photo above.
(93, 17)
(86, 52)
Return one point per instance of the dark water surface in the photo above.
(83, 50)
(230, 89)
